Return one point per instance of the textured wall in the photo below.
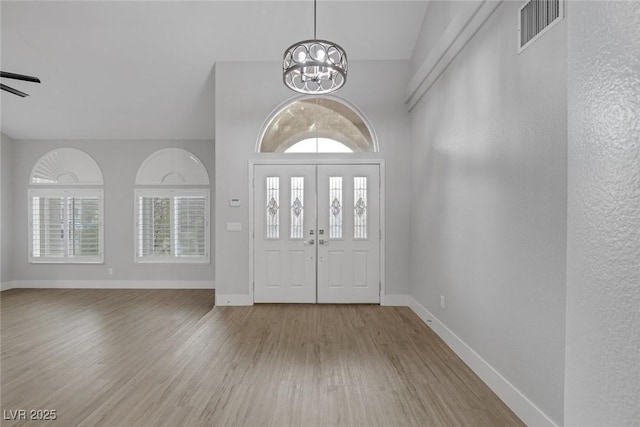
(489, 203)
(6, 205)
(119, 161)
(603, 245)
(375, 87)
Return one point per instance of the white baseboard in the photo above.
(233, 299)
(113, 284)
(5, 286)
(511, 396)
(396, 300)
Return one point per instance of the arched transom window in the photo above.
(317, 125)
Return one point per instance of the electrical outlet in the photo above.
(442, 301)
(110, 271)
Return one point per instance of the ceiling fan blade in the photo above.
(13, 91)
(19, 77)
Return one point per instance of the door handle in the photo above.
(323, 242)
(309, 242)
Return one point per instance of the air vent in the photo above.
(536, 17)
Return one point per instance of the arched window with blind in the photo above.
(66, 209)
(172, 209)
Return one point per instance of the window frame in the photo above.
(371, 147)
(171, 193)
(66, 192)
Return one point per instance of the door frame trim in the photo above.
(318, 161)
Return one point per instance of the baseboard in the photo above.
(233, 299)
(5, 286)
(396, 300)
(114, 284)
(528, 412)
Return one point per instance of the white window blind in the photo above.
(172, 225)
(65, 226)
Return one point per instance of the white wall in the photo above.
(6, 210)
(488, 196)
(119, 161)
(432, 29)
(246, 94)
(603, 245)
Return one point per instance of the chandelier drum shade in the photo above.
(314, 67)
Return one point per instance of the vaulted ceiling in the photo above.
(143, 69)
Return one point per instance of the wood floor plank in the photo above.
(168, 358)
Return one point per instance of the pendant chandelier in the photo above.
(315, 66)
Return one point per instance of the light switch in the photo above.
(234, 203)
(234, 226)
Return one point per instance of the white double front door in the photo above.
(317, 233)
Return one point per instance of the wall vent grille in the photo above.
(536, 17)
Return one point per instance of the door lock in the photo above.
(323, 242)
(309, 242)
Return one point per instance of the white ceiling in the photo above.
(143, 70)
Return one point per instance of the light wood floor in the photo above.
(168, 358)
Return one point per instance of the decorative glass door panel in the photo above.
(296, 218)
(335, 207)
